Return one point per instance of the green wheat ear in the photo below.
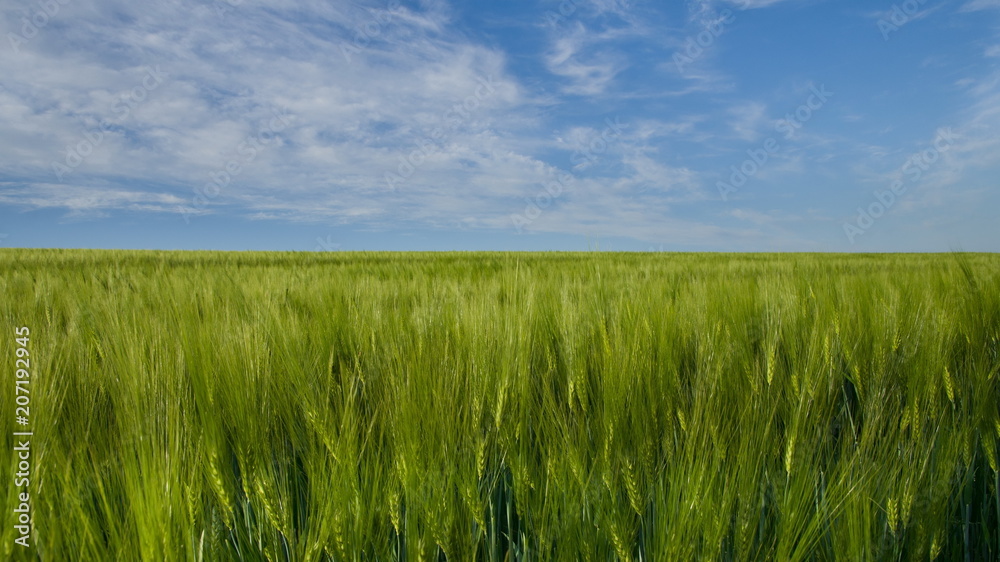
(492, 407)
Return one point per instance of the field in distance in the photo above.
(506, 406)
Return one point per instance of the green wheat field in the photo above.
(505, 407)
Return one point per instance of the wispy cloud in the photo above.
(356, 113)
(977, 5)
(748, 119)
(588, 73)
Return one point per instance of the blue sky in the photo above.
(745, 125)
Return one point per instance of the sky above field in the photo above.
(745, 125)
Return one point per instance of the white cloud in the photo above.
(748, 120)
(573, 56)
(977, 5)
(355, 108)
(86, 200)
(701, 7)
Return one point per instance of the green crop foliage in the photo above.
(506, 407)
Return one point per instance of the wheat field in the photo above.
(506, 407)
